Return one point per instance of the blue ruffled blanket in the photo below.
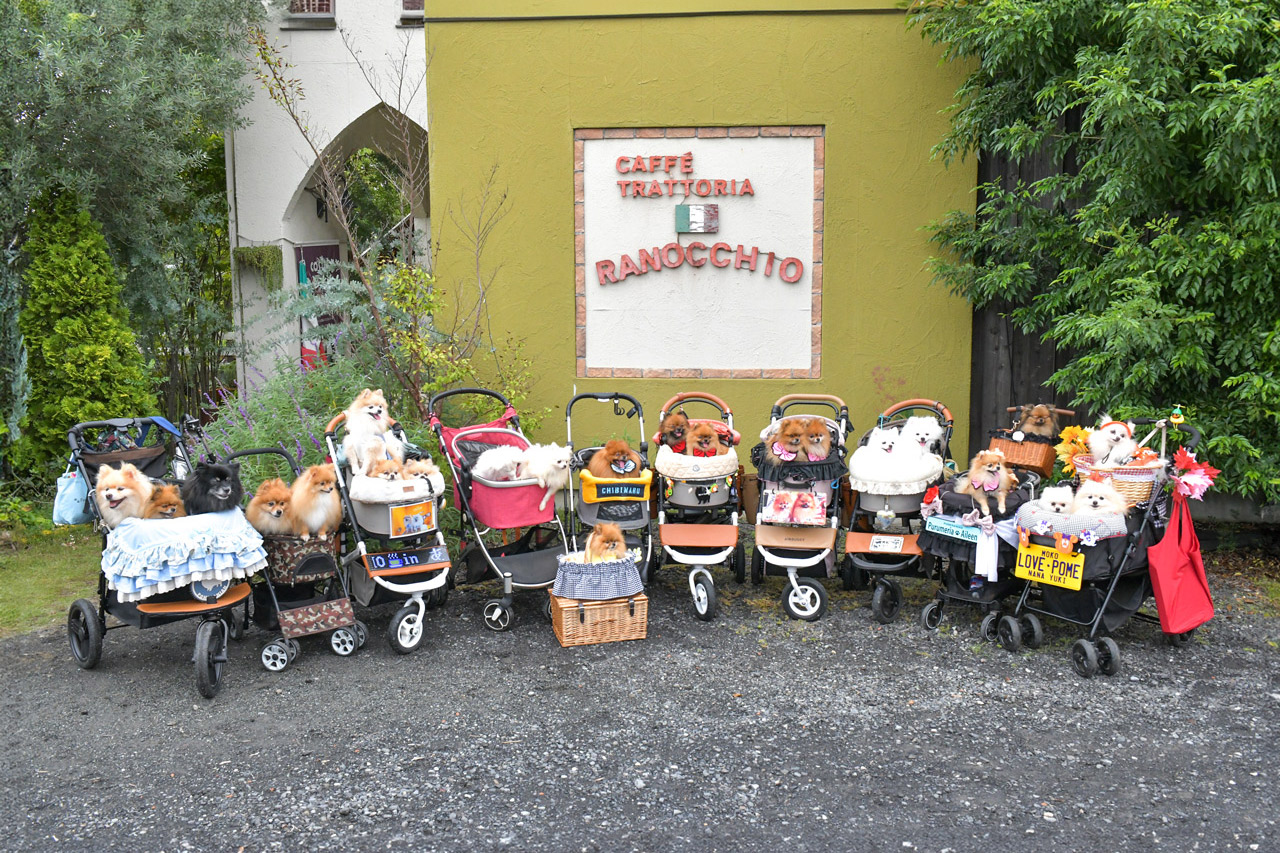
(144, 557)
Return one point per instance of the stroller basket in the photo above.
(292, 561)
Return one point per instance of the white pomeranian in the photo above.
(1112, 443)
(1057, 499)
(499, 463)
(549, 465)
(1098, 497)
(924, 431)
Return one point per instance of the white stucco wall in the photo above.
(269, 163)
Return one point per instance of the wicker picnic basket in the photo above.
(1030, 454)
(1138, 483)
(583, 623)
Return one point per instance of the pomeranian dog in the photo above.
(787, 441)
(1057, 499)
(605, 543)
(268, 510)
(498, 463)
(988, 474)
(923, 431)
(121, 493)
(805, 510)
(418, 469)
(1098, 496)
(212, 487)
(817, 439)
(549, 464)
(165, 502)
(384, 469)
(876, 459)
(675, 427)
(1038, 419)
(314, 507)
(1112, 443)
(368, 428)
(703, 440)
(616, 459)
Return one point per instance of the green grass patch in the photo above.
(42, 577)
(1270, 590)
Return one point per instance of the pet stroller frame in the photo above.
(302, 591)
(166, 456)
(530, 560)
(698, 512)
(886, 554)
(1114, 586)
(623, 501)
(801, 553)
(414, 568)
(954, 546)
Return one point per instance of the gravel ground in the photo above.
(752, 732)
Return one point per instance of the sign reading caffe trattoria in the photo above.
(697, 251)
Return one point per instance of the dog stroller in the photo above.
(159, 571)
(958, 538)
(699, 501)
(396, 550)
(882, 542)
(799, 510)
(623, 500)
(494, 512)
(301, 593)
(1092, 570)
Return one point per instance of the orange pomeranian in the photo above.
(704, 441)
(817, 439)
(384, 469)
(987, 474)
(166, 502)
(1038, 420)
(674, 428)
(787, 441)
(269, 509)
(121, 493)
(616, 459)
(418, 469)
(314, 508)
(605, 543)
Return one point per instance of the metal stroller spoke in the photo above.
(497, 616)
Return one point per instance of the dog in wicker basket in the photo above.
(605, 544)
(1112, 443)
(1037, 419)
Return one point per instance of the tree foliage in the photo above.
(1150, 248)
(82, 357)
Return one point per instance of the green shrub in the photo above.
(83, 361)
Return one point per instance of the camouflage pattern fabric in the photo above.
(316, 618)
(290, 560)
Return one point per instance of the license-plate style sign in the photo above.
(383, 560)
(1049, 565)
(887, 544)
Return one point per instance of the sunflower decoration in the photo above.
(1075, 441)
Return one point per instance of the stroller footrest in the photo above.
(698, 535)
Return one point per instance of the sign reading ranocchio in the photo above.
(699, 252)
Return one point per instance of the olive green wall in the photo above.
(509, 94)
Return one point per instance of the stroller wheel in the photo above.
(405, 631)
(275, 656)
(738, 563)
(991, 626)
(1179, 640)
(1010, 633)
(1032, 630)
(236, 621)
(852, 576)
(1108, 656)
(211, 654)
(757, 567)
(84, 631)
(1084, 658)
(886, 601)
(704, 598)
(547, 612)
(931, 616)
(437, 597)
(656, 556)
(362, 633)
(497, 616)
(344, 642)
(294, 649)
(806, 600)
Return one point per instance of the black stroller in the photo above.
(164, 570)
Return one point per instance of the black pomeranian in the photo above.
(212, 487)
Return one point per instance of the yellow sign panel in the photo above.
(413, 519)
(1049, 565)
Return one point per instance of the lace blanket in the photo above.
(144, 557)
(678, 466)
(375, 490)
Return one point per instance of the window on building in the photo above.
(311, 7)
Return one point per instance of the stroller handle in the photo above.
(920, 403)
(76, 432)
(453, 392)
(261, 451)
(1193, 434)
(785, 402)
(606, 397)
(697, 397)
